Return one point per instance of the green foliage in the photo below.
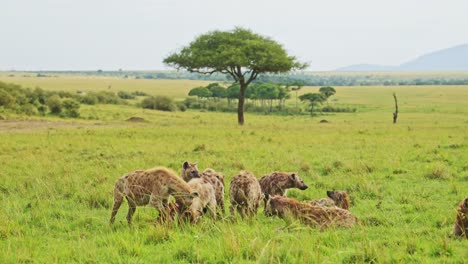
(327, 91)
(201, 92)
(89, 99)
(314, 99)
(125, 95)
(55, 104)
(221, 51)
(163, 103)
(71, 108)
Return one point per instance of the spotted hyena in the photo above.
(288, 208)
(206, 200)
(460, 228)
(154, 187)
(189, 171)
(245, 194)
(335, 198)
(277, 183)
(216, 179)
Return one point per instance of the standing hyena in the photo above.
(216, 179)
(245, 194)
(189, 171)
(460, 228)
(206, 200)
(322, 217)
(154, 187)
(336, 198)
(277, 183)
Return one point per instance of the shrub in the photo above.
(28, 109)
(181, 106)
(89, 99)
(6, 100)
(125, 95)
(139, 93)
(71, 108)
(338, 109)
(162, 103)
(54, 104)
(189, 101)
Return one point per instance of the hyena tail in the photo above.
(119, 194)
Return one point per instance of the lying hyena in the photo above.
(245, 194)
(287, 208)
(216, 180)
(189, 171)
(336, 198)
(460, 228)
(206, 200)
(277, 183)
(154, 187)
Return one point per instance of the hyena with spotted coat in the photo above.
(216, 180)
(154, 187)
(206, 200)
(189, 171)
(277, 183)
(319, 216)
(245, 194)
(460, 228)
(335, 198)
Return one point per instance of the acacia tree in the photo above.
(314, 99)
(327, 92)
(240, 53)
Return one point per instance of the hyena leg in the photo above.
(220, 211)
(131, 210)
(118, 199)
(159, 205)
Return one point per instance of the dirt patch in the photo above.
(136, 119)
(33, 125)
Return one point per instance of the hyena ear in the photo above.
(185, 165)
(466, 203)
(194, 195)
(293, 176)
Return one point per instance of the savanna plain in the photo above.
(404, 180)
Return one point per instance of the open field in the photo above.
(404, 180)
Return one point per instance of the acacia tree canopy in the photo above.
(239, 53)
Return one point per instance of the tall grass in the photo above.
(404, 180)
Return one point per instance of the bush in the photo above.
(89, 99)
(139, 93)
(338, 109)
(105, 97)
(125, 95)
(189, 101)
(162, 103)
(28, 109)
(6, 100)
(54, 104)
(71, 108)
(181, 106)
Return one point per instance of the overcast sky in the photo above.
(138, 34)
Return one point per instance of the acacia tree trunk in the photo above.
(395, 114)
(240, 105)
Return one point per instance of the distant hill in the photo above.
(451, 59)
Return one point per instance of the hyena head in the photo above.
(189, 171)
(465, 204)
(297, 181)
(340, 198)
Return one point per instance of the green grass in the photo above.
(404, 180)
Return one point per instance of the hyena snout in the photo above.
(303, 187)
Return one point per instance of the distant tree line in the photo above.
(261, 97)
(307, 78)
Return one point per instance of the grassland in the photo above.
(404, 180)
